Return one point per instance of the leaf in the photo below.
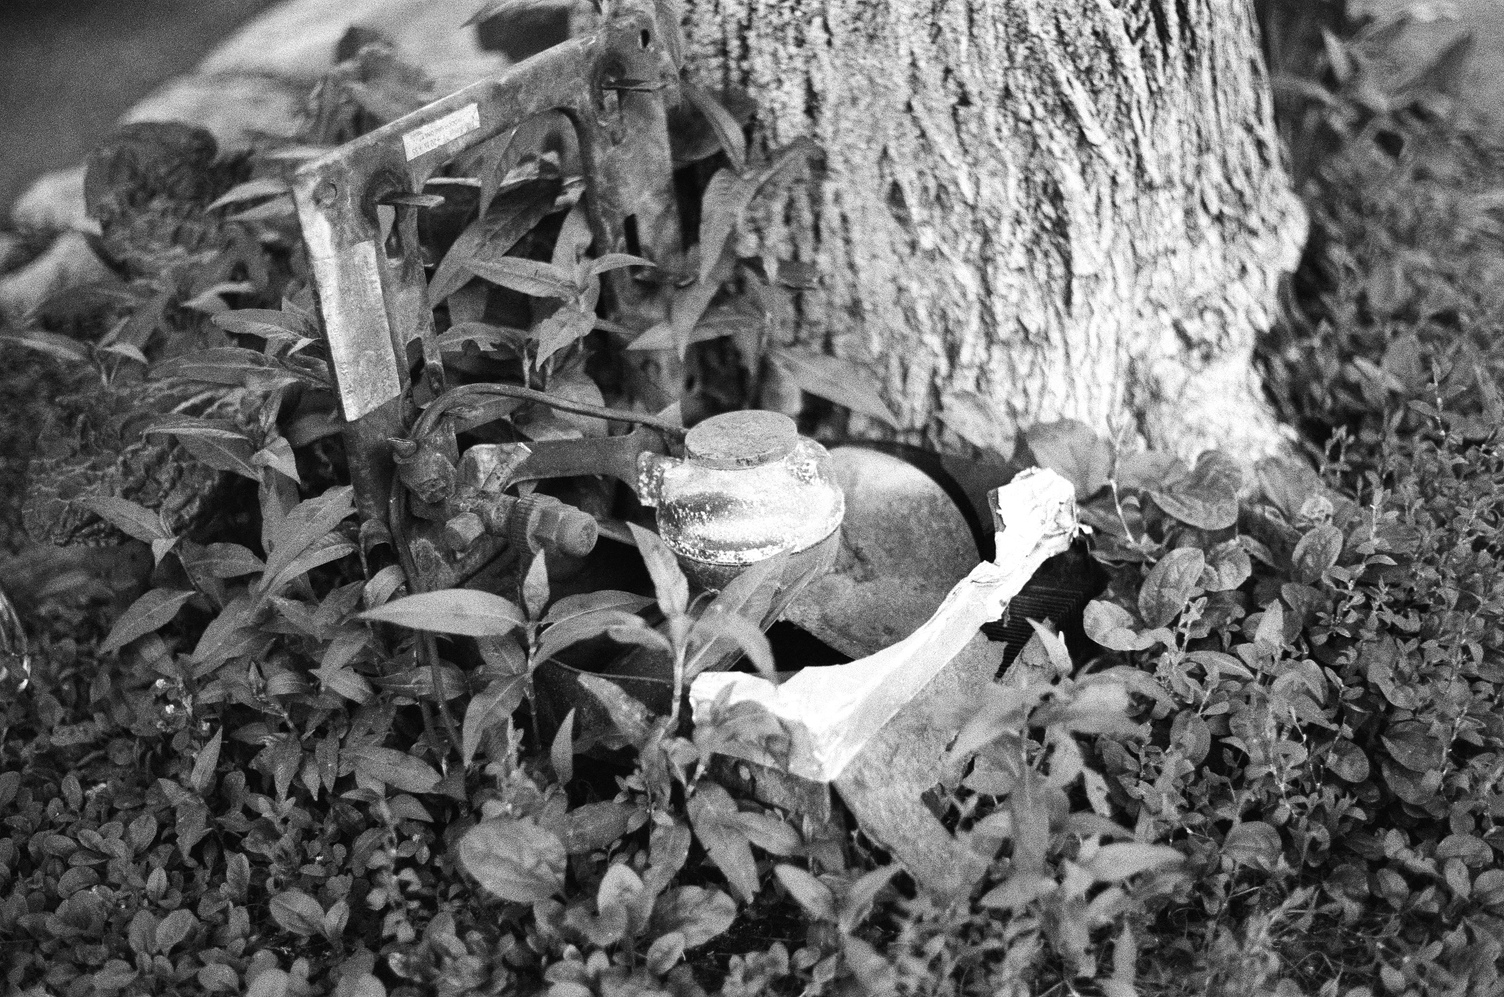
(265, 323)
(696, 912)
(1019, 890)
(515, 859)
(1112, 626)
(306, 523)
(728, 194)
(530, 277)
(489, 708)
(835, 379)
(1208, 497)
(669, 583)
(711, 812)
(1227, 567)
(665, 952)
(1252, 843)
(749, 594)
(278, 456)
(535, 586)
(1117, 862)
(719, 625)
(250, 190)
(151, 612)
(227, 560)
(1288, 483)
(229, 365)
(978, 421)
(616, 261)
(1169, 585)
(1271, 628)
(53, 344)
(469, 612)
(483, 334)
(727, 132)
(1073, 450)
(1347, 761)
(344, 681)
(383, 585)
(562, 328)
(298, 913)
(565, 633)
(561, 752)
(232, 454)
(396, 768)
(131, 519)
(1316, 553)
(174, 929)
(768, 832)
(572, 606)
(1412, 744)
(202, 776)
(814, 896)
(330, 547)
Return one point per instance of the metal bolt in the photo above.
(462, 531)
(543, 522)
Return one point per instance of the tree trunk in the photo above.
(1074, 207)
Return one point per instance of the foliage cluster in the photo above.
(1284, 772)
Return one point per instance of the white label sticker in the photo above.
(451, 126)
(360, 340)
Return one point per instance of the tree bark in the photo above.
(1074, 207)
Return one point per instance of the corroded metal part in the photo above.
(749, 487)
(369, 281)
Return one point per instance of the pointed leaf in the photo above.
(669, 583)
(835, 379)
(298, 913)
(561, 753)
(1117, 862)
(131, 519)
(397, 769)
(718, 625)
(814, 896)
(588, 602)
(710, 810)
(149, 613)
(539, 280)
(727, 131)
(488, 708)
(452, 611)
(202, 776)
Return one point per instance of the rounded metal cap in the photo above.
(741, 439)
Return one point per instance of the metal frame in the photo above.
(372, 292)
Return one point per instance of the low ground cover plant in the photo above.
(242, 769)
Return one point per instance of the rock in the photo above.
(68, 262)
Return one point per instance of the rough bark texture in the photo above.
(1075, 207)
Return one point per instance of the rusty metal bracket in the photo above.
(370, 283)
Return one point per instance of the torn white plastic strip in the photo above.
(832, 712)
